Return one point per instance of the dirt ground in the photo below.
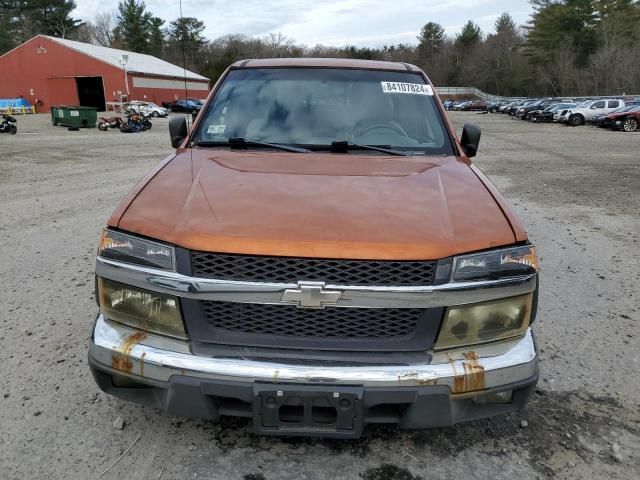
(577, 190)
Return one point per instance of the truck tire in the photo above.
(576, 120)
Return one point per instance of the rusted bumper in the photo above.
(163, 372)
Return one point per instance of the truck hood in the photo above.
(317, 205)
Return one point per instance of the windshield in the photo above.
(313, 107)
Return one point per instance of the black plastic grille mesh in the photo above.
(256, 268)
(288, 320)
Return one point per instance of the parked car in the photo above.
(519, 111)
(532, 109)
(603, 120)
(538, 109)
(460, 105)
(494, 107)
(504, 108)
(578, 116)
(512, 108)
(561, 116)
(627, 120)
(448, 104)
(147, 108)
(183, 106)
(281, 266)
(548, 113)
(475, 106)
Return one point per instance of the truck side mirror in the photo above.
(470, 139)
(178, 130)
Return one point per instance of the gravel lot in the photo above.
(576, 189)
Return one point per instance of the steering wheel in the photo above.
(386, 126)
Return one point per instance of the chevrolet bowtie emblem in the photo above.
(311, 295)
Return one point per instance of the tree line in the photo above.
(568, 47)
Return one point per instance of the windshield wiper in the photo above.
(239, 142)
(345, 146)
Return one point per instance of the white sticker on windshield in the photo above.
(410, 88)
(216, 129)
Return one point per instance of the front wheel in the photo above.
(13, 129)
(630, 125)
(576, 120)
(103, 126)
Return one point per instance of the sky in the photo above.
(371, 23)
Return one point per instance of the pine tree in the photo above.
(22, 19)
(133, 30)
(7, 25)
(156, 37)
(431, 39)
(185, 37)
(53, 17)
(470, 36)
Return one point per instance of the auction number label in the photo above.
(409, 88)
(216, 129)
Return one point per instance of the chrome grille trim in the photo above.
(431, 296)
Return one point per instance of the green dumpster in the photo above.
(74, 116)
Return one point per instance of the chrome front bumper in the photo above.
(146, 357)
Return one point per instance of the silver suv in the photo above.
(585, 111)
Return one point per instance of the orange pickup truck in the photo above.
(317, 255)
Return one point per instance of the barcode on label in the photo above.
(409, 88)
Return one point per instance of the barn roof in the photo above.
(137, 62)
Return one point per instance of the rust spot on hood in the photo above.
(120, 359)
(473, 377)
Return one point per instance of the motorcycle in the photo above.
(109, 122)
(136, 122)
(8, 124)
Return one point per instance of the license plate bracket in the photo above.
(329, 411)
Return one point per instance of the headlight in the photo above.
(131, 249)
(143, 309)
(495, 264)
(485, 322)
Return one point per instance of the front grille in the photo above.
(256, 268)
(332, 322)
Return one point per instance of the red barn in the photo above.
(54, 71)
